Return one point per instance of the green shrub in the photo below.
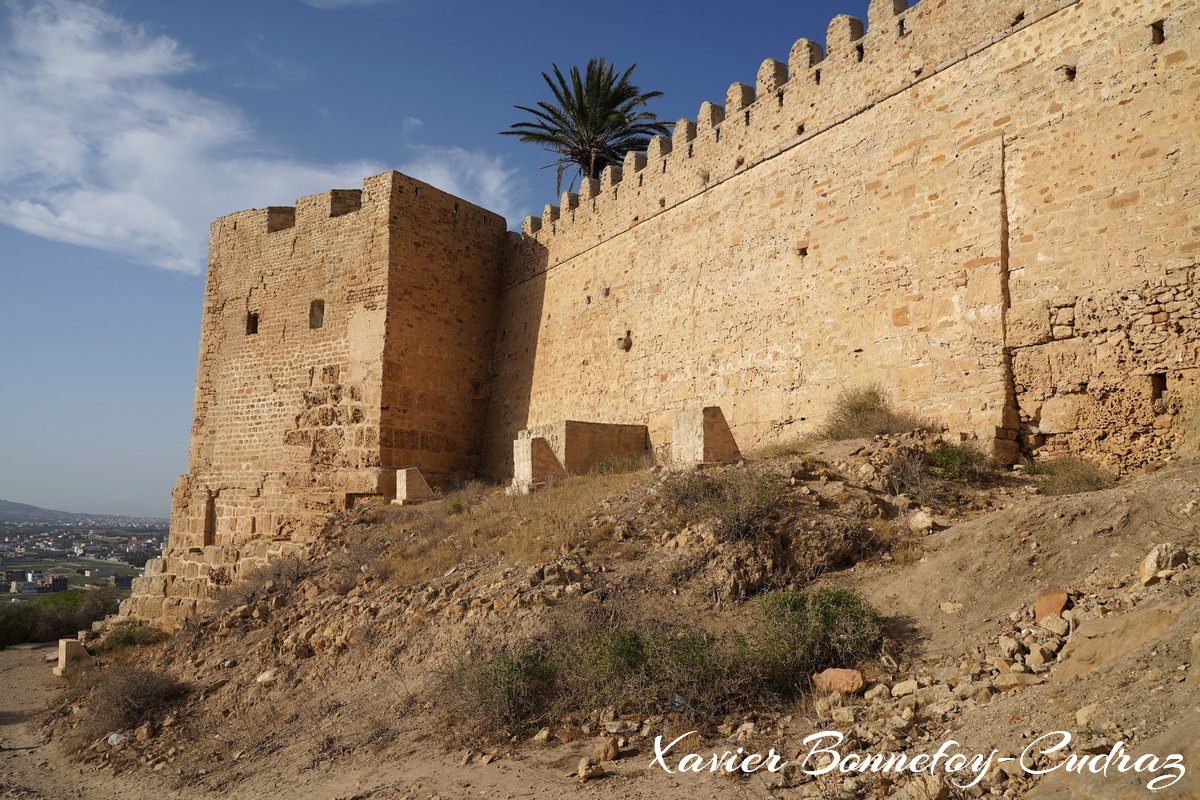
(865, 411)
(604, 665)
(921, 476)
(60, 615)
(620, 653)
(963, 462)
(592, 660)
(715, 675)
(511, 691)
(1063, 476)
(800, 634)
(740, 505)
(645, 665)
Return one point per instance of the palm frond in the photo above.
(595, 118)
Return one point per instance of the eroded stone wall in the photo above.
(1118, 379)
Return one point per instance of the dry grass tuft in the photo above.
(1063, 476)
(899, 542)
(284, 572)
(907, 550)
(865, 411)
(129, 634)
(476, 523)
(121, 697)
(740, 505)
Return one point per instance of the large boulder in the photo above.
(1101, 641)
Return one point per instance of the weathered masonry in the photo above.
(342, 340)
(991, 209)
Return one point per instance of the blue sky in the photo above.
(127, 126)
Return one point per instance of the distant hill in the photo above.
(22, 512)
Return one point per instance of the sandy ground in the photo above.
(29, 768)
(32, 770)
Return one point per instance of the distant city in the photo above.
(45, 551)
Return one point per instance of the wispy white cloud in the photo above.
(267, 70)
(342, 3)
(99, 148)
(480, 178)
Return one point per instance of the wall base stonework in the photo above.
(570, 447)
(1114, 376)
(185, 581)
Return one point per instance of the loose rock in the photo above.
(589, 769)
(1163, 557)
(1051, 601)
(606, 750)
(844, 681)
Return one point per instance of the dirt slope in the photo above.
(322, 685)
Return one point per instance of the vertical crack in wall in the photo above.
(1011, 420)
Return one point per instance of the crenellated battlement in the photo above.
(819, 87)
(336, 208)
(308, 211)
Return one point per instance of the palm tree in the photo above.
(594, 120)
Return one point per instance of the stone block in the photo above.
(1060, 414)
(534, 463)
(153, 586)
(1006, 451)
(1028, 324)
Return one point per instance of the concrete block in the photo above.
(69, 651)
(702, 436)
(411, 487)
(534, 463)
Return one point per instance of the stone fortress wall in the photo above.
(987, 208)
(342, 339)
(921, 208)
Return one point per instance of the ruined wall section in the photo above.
(1121, 383)
(444, 283)
(1104, 198)
(885, 244)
